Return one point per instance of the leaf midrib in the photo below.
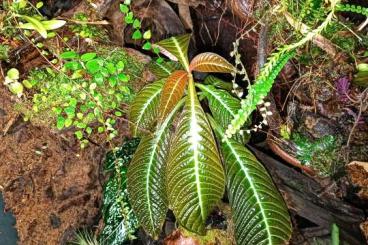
(157, 139)
(182, 55)
(172, 92)
(245, 170)
(141, 113)
(218, 99)
(195, 134)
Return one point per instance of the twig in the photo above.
(363, 100)
(364, 24)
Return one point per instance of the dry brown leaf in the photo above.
(177, 238)
(184, 14)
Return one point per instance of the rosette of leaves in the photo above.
(87, 94)
(178, 163)
(120, 223)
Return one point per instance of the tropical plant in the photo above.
(120, 223)
(178, 164)
(87, 93)
(4, 52)
(25, 15)
(136, 24)
(11, 80)
(265, 79)
(85, 237)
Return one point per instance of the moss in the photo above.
(213, 236)
(321, 154)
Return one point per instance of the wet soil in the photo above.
(8, 234)
(50, 185)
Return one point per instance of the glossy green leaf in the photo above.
(27, 84)
(137, 34)
(211, 62)
(88, 56)
(72, 65)
(124, 8)
(68, 55)
(164, 69)
(147, 46)
(172, 92)
(16, 88)
(195, 177)
(13, 74)
(144, 109)
(39, 5)
(146, 177)
(218, 83)
(136, 24)
(258, 210)
(176, 48)
(361, 79)
(129, 18)
(60, 122)
(147, 35)
(37, 25)
(79, 134)
(53, 24)
(223, 106)
(93, 66)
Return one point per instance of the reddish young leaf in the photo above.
(173, 91)
(211, 62)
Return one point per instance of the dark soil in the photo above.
(51, 186)
(8, 234)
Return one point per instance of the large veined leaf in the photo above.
(259, 212)
(218, 83)
(195, 177)
(173, 91)
(146, 177)
(176, 47)
(144, 109)
(164, 69)
(223, 106)
(36, 24)
(211, 62)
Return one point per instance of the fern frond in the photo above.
(352, 8)
(311, 10)
(263, 84)
(259, 90)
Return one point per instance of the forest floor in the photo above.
(54, 188)
(50, 185)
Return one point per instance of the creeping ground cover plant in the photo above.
(184, 161)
